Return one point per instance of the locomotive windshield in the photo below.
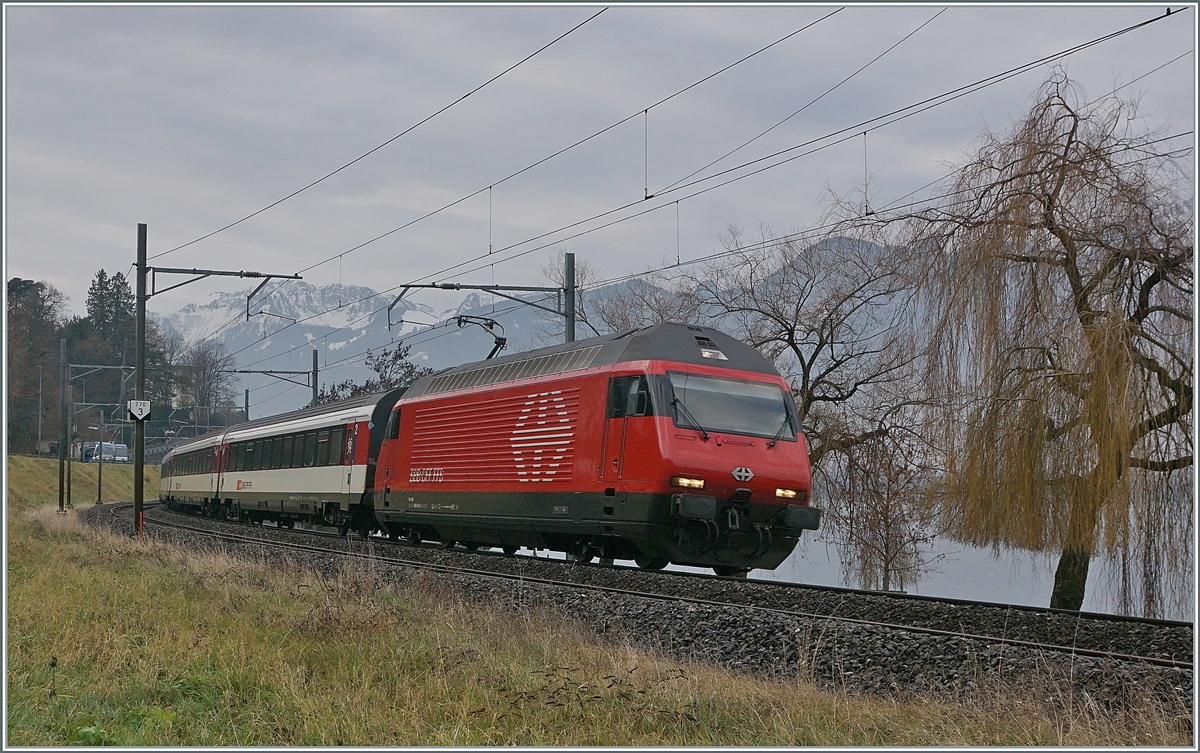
(732, 406)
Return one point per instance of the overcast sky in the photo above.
(188, 118)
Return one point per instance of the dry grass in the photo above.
(115, 641)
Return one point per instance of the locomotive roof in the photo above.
(683, 343)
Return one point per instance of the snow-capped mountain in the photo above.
(341, 323)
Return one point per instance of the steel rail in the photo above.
(895, 595)
(292, 546)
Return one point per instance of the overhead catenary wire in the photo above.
(408, 130)
(891, 206)
(757, 245)
(903, 113)
(792, 237)
(846, 134)
(549, 157)
(929, 104)
(571, 146)
(810, 103)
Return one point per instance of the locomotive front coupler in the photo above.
(737, 514)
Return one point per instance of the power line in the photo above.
(791, 237)
(903, 114)
(402, 133)
(545, 159)
(568, 148)
(875, 123)
(812, 102)
(895, 115)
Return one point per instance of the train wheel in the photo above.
(583, 553)
(651, 563)
(730, 571)
(413, 537)
(448, 544)
(393, 533)
(471, 546)
(509, 550)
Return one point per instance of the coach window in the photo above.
(323, 447)
(298, 451)
(250, 455)
(286, 462)
(310, 448)
(276, 452)
(335, 446)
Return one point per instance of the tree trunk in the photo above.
(1069, 579)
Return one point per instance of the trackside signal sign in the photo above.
(139, 409)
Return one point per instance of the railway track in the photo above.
(1158, 643)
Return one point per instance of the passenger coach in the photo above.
(315, 464)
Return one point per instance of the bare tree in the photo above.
(641, 302)
(883, 523)
(831, 315)
(392, 369)
(204, 367)
(1060, 292)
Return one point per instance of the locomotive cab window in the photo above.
(629, 396)
(734, 406)
(393, 427)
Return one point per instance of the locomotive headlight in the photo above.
(787, 493)
(687, 483)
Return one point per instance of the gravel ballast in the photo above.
(858, 657)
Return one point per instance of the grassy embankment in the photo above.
(119, 642)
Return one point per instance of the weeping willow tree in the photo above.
(1060, 296)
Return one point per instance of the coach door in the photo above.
(211, 469)
(346, 434)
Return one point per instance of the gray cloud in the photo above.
(187, 118)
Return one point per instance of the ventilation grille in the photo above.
(556, 363)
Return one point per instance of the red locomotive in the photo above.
(672, 443)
